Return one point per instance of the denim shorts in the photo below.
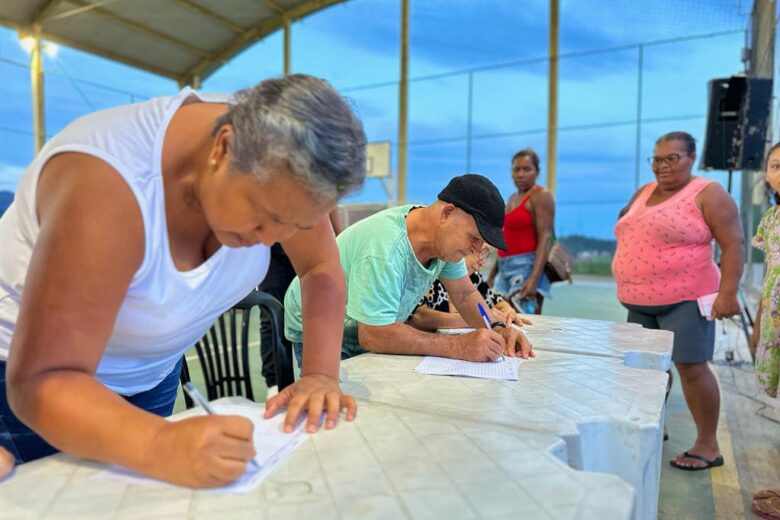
(694, 335)
(26, 445)
(514, 270)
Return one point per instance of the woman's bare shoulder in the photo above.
(79, 187)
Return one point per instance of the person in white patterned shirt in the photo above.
(435, 312)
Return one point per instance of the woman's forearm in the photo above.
(78, 415)
(542, 249)
(323, 297)
(731, 267)
(427, 319)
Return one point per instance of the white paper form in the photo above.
(272, 444)
(500, 370)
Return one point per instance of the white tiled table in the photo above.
(390, 463)
(437, 447)
(609, 415)
(638, 347)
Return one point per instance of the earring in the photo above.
(213, 163)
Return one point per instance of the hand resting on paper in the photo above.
(313, 394)
(509, 315)
(517, 344)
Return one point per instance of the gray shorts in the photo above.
(694, 335)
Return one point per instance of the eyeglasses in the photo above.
(671, 159)
(484, 254)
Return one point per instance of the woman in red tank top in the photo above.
(519, 272)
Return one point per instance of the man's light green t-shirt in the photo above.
(385, 281)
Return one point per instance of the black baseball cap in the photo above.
(480, 198)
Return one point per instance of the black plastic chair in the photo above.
(224, 350)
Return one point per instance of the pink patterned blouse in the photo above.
(664, 252)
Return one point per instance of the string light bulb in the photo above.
(27, 43)
(51, 49)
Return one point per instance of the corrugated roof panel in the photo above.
(20, 12)
(245, 13)
(174, 20)
(121, 41)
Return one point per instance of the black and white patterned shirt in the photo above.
(437, 298)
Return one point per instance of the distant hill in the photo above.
(588, 246)
(6, 197)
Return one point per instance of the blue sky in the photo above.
(355, 47)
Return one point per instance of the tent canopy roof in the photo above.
(178, 39)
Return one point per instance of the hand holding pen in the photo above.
(487, 322)
(199, 452)
(203, 403)
(516, 341)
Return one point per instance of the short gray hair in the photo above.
(302, 123)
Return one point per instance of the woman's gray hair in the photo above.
(299, 122)
(685, 137)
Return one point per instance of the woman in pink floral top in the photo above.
(765, 341)
(766, 331)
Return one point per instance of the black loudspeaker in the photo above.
(737, 121)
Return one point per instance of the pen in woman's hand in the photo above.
(203, 403)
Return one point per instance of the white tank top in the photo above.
(165, 310)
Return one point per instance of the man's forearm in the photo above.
(400, 338)
(540, 257)
(323, 308)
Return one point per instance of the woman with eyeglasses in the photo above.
(664, 263)
(528, 229)
(435, 312)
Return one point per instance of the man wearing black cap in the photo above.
(392, 257)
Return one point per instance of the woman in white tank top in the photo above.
(132, 230)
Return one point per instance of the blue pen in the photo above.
(487, 322)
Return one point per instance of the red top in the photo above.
(519, 230)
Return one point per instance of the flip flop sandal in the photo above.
(766, 504)
(709, 463)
